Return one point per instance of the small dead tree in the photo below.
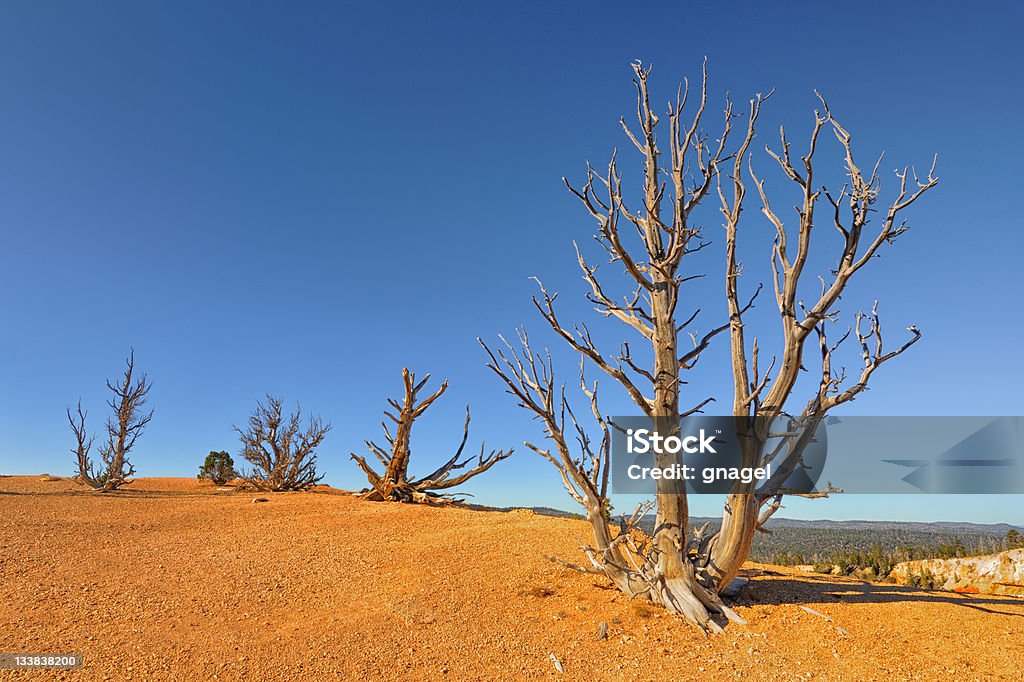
(394, 483)
(281, 450)
(685, 574)
(124, 427)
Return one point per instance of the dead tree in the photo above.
(124, 427)
(86, 470)
(686, 574)
(394, 483)
(281, 450)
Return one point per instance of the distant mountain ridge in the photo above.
(853, 524)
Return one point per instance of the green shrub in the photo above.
(218, 467)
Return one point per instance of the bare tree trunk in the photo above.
(672, 517)
(394, 484)
(83, 445)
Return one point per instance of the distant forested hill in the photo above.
(817, 540)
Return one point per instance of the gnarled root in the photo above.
(685, 596)
(697, 604)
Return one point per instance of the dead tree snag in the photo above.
(683, 572)
(124, 427)
(394, 483)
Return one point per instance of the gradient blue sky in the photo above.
(304, 198)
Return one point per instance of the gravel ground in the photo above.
(170, 579)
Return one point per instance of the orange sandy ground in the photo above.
(169, 579)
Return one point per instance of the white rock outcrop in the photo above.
(1001, 573)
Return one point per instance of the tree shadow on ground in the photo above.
(130, 493)
(117, 494)
(777, 589)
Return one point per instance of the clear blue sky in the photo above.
(303, 199)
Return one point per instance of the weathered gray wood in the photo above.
(816, 613)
